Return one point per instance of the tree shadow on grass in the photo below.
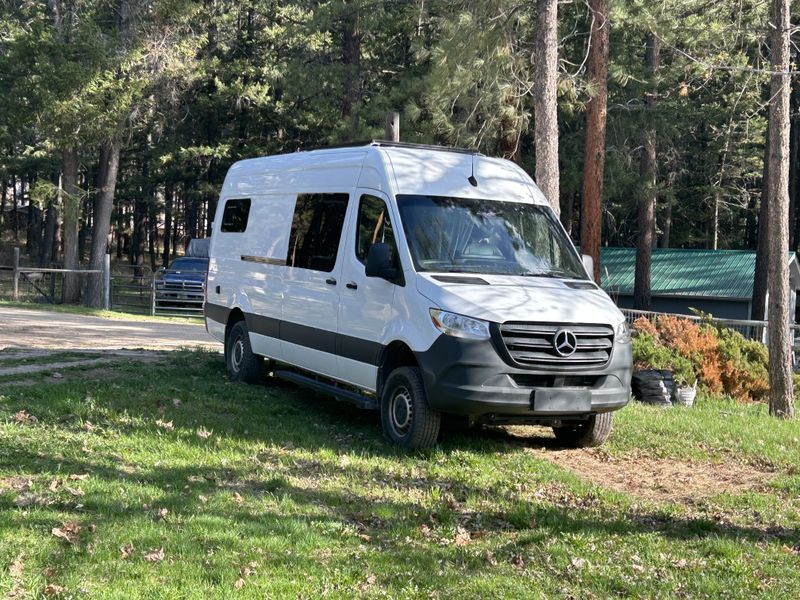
(287, 430)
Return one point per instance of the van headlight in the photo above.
(623, 333)
(459, 325)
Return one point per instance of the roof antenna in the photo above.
(471, 178)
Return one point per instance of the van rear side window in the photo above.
(316, 230)
(235, 215)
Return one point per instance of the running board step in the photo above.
(359, 400)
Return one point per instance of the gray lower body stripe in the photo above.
(346, 346)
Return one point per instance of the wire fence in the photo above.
(752, 330)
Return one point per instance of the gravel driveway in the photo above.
(23, 328)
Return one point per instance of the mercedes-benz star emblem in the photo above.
(565, 342)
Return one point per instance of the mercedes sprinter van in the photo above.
(419, 281)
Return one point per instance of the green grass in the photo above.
(96, 312)
(295, 495)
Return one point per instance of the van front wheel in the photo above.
(242, 364)
(592, 432)
(407, 419)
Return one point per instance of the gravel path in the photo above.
(27, 329)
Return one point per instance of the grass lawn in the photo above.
(165, 480)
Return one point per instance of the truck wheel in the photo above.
(588, 434)
(242, 364)
(407, 419)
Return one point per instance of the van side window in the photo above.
(316, 231)
(374, 225)
(235, 215)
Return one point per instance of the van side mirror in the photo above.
(379, 262)
(588, 264)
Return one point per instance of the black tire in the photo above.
(243, 365)
(407, 419)
(587, 434)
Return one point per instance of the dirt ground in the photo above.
(661, 479)
(40, 329)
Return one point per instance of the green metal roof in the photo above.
(682, 272)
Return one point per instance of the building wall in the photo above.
(724, 309)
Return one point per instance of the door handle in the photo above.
(352, 285)
(330, 281)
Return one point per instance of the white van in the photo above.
(417, 280)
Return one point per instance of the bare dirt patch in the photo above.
(659, 479)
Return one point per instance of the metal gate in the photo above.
(132, 288)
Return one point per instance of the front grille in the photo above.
(181, 286)
(531, 344)
(529, 380)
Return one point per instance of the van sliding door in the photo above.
(312, 286)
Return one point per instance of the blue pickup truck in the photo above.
(183, 283)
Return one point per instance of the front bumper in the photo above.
(467, 377)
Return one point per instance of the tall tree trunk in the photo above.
(71, 201)
(104, 205)
(646, 205)
(15, 215)
(545, 102)
(152, 236)
(595, 150)
(351, 57)
(781, 395)
(667, 227)
(169, 192)
(794, 166)
(758, 310)
(714, 237)
(3, 192)
(139, 235)
(47, 247)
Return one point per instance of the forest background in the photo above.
(129, 112)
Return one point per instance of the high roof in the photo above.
(724, 274)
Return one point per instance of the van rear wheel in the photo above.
(588, 434)
(407, 419)
(243, 365)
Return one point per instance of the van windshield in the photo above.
(460, 235)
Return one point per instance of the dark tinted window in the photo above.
(374, 225)
(199, 265)
(234, 217)
(316, 231)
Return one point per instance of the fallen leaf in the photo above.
(161, 514)
(239, 584)
(176, 402)
(54, 485)
(23, 417)
(203, 433)
(462, 537)
(155, 556)
(203, 499)
(74, 491)
(237, 497)
(87, 426)
(57, 375)
(30, 499)
(165, 425)
(17, 567)
(78, 477)
(51, 590)
(126, 551)
(578, 563)
(67, 532)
